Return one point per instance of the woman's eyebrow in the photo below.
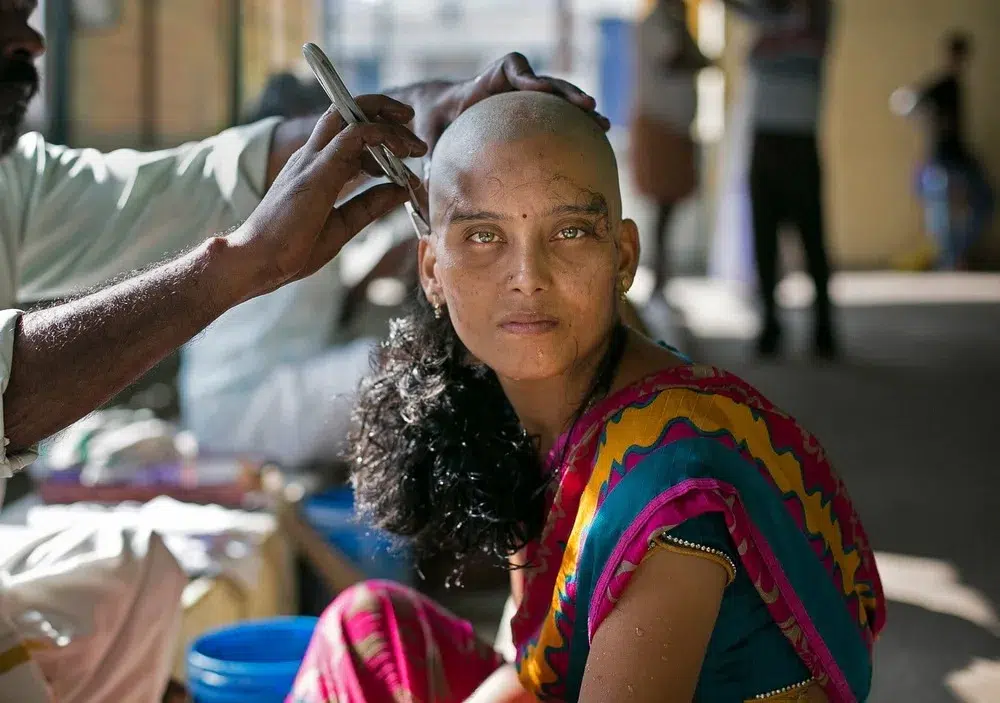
(594, 208)
(457, 215)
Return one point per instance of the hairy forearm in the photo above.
(71, 358)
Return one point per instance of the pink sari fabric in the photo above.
(379, 641)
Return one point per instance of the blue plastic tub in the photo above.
(253, 662)
(331, 513)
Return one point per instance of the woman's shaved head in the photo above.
(520, 116)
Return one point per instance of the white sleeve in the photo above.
(80, 217)
(15, 462)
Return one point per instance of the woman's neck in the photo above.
(546, 407)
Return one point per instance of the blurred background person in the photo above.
(287, 95)
(787, 62)
(275, 377)
(661, 149)
(952, 182)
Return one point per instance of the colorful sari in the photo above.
(695, 460)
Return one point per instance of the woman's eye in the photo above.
(483, 237)
(571, 233)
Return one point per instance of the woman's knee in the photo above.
(372, 598)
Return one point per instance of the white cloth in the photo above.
(73, 218)
(281, 400)
(504, 642)
(21, 679)
(204, 539)
(99, 609)
(16, 462)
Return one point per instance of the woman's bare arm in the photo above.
(651, 646)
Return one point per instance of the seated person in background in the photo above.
(276, 375)
(678, 536)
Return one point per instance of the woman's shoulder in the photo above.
(684, 401)
(687, 422)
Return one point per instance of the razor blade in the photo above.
(393, 167)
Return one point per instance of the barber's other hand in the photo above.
(296, 229)
(512, 72)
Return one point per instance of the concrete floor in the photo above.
(911, 419)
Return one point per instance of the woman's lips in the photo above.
(529, 324)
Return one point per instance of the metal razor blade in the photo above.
(393, 167)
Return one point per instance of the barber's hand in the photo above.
(296, 229)
(512, 72)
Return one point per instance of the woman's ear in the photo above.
(628, 251)
(426, 259)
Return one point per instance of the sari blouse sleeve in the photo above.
(705, 537)
(657, 504)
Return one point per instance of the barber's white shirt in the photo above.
(71, 219)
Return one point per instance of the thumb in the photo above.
(364, 208)
(356, 214)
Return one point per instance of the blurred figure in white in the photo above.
(662, 151)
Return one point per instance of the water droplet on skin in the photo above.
(631, 690)
(639, 632)
(664, 658)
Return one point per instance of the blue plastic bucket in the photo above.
(253, 662)
(331, 513)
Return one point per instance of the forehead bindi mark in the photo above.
(524, 215)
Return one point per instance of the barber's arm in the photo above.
(66, 360)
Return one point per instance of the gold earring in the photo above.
(624, 288)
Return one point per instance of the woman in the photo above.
(677, 537)
(661, 149)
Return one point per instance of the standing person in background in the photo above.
(956, 191)
(662, 151)
(786, 173)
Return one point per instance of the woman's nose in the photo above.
(24, 44)
(530, 271)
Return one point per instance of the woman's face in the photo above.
(528, 254)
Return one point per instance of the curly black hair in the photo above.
(437, 453)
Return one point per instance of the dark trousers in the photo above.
(786, 187)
